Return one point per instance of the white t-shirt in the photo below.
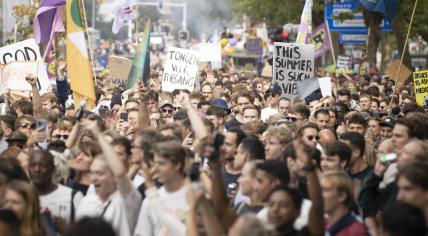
(120, 212)
(138, 180)
(149, 225)
(267, 112)
(59, 202)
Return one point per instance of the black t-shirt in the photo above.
(229, 178)
(362, 174)
(232, 123)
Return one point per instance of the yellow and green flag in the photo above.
(78, 66)
(140, 69)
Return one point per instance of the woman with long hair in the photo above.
(22, 199)
(81, 177)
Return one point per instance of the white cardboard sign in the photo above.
(181, 69)
(325, 85)
(292, 64)
(27, 50)
(12, 76)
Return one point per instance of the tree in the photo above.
(373, 20)
(278, 12)
(401, 24)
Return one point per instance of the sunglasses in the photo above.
(316, 137)
(293, 119)
(170, 111)
(27, 126)
(59, 136)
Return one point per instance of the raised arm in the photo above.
(72, 139)
(316, 213)
(196, 121)
(37, 100)
(143, 111)
(219, 197)
(116, 165)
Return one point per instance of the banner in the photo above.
(292, 64)
(140, 69)
(119, 71)
(181, 69)
(345, 65)
(209, 52)
(80, 71)
(420, 80)
(305, 27)
(320, 39)
(27, 50)
(12, 76)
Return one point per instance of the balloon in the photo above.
(231, 50)
(233, 42)
(223, 42)
(223, 53)
(284, 34)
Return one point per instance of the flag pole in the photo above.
(90, 42)
(402, 56)
(331, 45)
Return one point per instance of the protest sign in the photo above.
(27, 50)
(12, 76)
(181, 69)
(321, 40)
(325, 85)
(345, 65)
(119, 71)
(209, 52)
(420, 80)
(392, 71)
(309, 90)
(292, 64)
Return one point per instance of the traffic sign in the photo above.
(353, 37)
(354, 24)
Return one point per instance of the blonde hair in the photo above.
(342, 183)
(283, 134)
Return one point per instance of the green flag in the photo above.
(141, 64)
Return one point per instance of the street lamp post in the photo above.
(183, 6)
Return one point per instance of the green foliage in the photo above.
(277, 12)
(24, 20)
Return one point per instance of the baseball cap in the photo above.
(388, 121)
(164, 103)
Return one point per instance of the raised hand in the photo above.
(91, 125)
(31, 79)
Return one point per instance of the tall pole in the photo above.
(93, 14)
(402, 55)
(91, 52)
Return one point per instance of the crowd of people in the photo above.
(234, 157)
